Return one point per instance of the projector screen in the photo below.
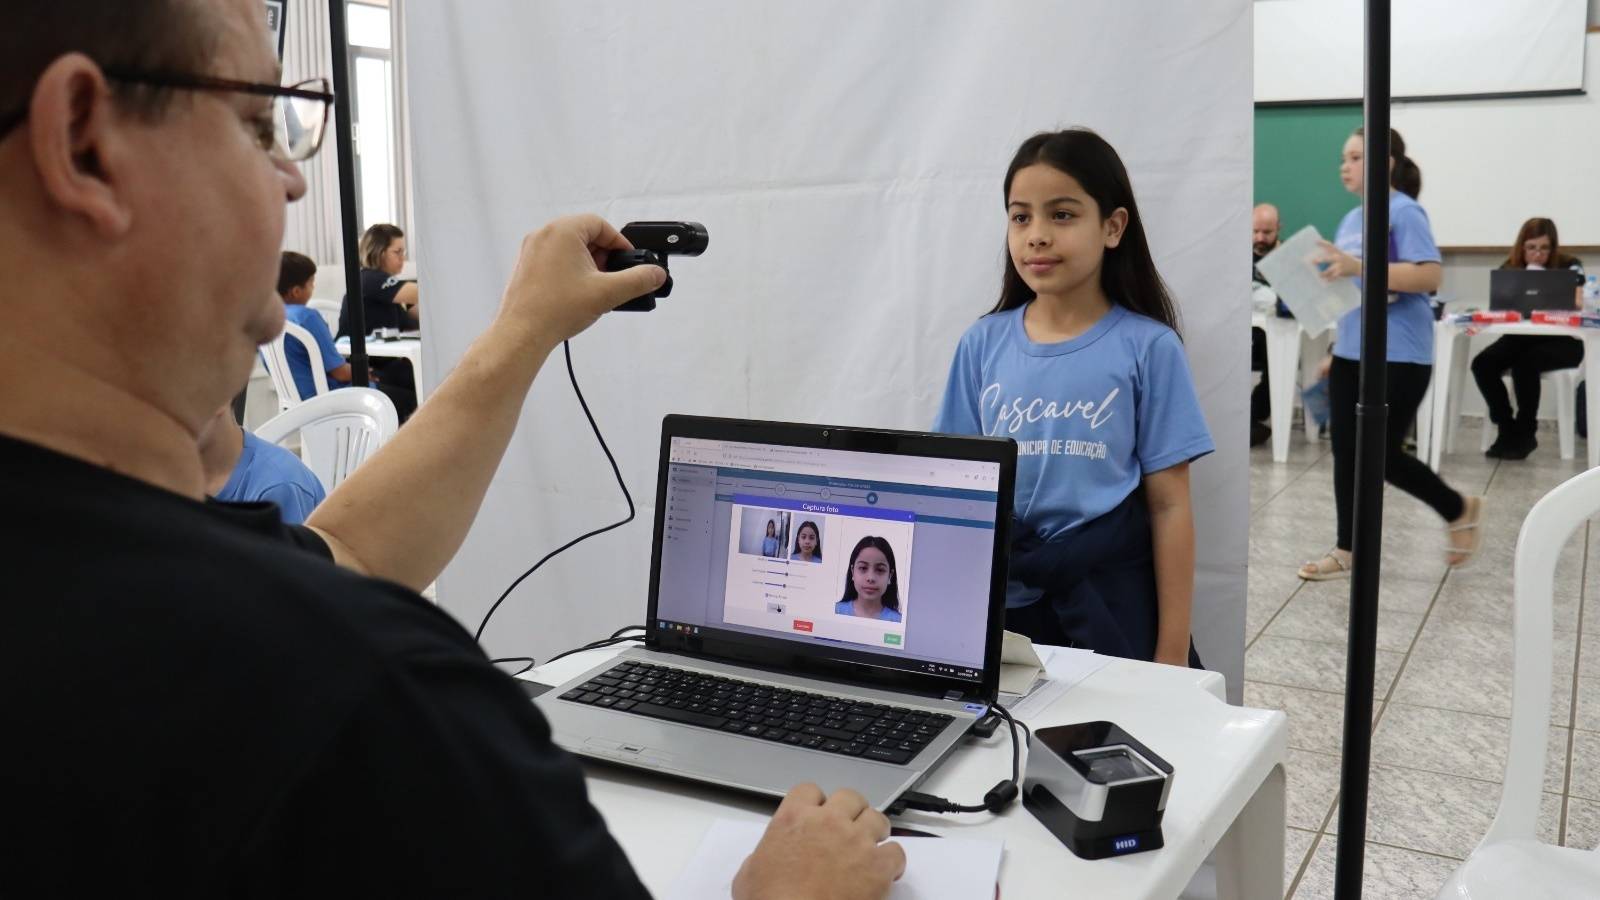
(1311, 50)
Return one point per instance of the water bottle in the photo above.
(1591, 294)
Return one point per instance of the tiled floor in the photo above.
(1443, 671)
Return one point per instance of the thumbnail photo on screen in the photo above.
(763, 532)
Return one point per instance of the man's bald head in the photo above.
(1264, 229)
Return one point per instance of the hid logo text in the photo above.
(1123, 845)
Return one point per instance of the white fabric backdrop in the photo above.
(847, 159)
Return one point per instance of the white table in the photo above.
(1289, 364)
(394, 348)
(1450, 359)
(1227, 793)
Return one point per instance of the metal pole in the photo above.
(1372, 413)
(343, 133)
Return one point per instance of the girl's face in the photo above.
(1536, 251)
(1350, 164)
(1056, 236)
(771, 531)
(870, 574)
(1352, 174)
(807, 539)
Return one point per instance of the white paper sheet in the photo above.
(1020, 665)
(1063, 668)
(1292, 271)
(936, 868)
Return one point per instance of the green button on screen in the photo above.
(892, 639)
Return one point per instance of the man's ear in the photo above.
(77, 141)
(1115, 224)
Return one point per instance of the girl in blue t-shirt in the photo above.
(769, 544)
(1413, 271)
(1080, 362)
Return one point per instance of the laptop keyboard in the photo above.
(815, 721)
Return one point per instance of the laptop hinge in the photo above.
(952, 695)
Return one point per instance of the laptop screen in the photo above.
(885, 557)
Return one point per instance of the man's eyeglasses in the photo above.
(299, 111)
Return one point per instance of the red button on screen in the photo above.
(802, 625)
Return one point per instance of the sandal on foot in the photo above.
(1474, 506)
(1328, 568)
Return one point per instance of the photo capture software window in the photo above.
(891, 566)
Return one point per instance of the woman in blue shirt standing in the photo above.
(1413, 271)
(1080, 362)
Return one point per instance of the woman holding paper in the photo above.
(1412, 271)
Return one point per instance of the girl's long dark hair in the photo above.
(1128, 273)
(891, 594)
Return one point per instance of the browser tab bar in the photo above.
(845, 464)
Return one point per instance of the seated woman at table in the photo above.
(386, 300)
(297, 278)
(1525, 356)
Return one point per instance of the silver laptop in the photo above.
(826, 605)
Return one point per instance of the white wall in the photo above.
(847, 159)
(1487, 165)
(1311, 50)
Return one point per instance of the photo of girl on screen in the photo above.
(807, 543)
(871, 586)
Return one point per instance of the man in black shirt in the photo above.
(200, 701)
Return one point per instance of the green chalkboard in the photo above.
(1297, 164)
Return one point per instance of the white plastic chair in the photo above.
(1565, 382)
(338, 430)
(328, 310)
(277, 362)
(1511, 862)
(330, 282)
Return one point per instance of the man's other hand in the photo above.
(822, 847)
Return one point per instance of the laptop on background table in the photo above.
(758, 673)
(1528, 291)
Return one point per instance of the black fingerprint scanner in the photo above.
(1095, 788)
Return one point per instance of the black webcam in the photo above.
(653, 242)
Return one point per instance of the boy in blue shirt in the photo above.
(242, 468)
(297, 278)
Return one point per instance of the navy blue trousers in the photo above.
(1099, 583)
